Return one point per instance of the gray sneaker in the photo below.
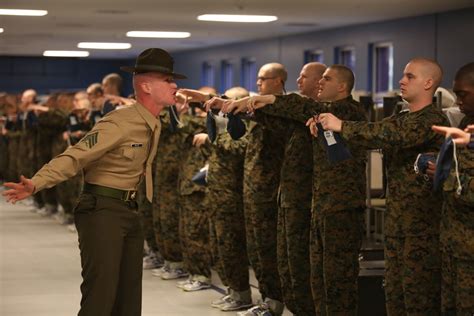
(160, 271)
(234, 305)
(220, 301)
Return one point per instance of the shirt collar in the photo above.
(146, 115)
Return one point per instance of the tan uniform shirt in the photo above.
(113, 154)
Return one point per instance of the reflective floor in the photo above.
(40, 272)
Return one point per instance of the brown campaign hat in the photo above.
(154, 60)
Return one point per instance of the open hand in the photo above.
(19, 191)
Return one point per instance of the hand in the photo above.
(182, 103)
(469, 129)
(259, 101)
(460, 137)
(195, 95)
(200, 139)
(65, 136)
(311, 123)
(236, 106)
(431, 170)
(330, 122)
(215, 103)
(19, 191)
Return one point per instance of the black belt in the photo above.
(124, 195)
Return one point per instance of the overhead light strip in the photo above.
(1, 30)
(65, 53)
(237, 18)
(97, 45)
(157, 34)
(22, 12)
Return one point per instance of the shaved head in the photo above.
(429, 69)
(237, 93)
(345, 75)
(466, 74)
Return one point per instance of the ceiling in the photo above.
(70, 21)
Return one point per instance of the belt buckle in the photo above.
(130, 196)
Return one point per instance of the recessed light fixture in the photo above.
(153, 34)
(1, 30)
(65, 53)
(237, 18)
(23, 12)
(95, 45)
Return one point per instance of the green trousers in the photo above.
(111, 246)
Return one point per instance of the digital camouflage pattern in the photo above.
(294, 217)
(165, 192)
(412, 219)
(338, 192)
(262, 165)
(193, 212)
(457, 235)
(227, 223)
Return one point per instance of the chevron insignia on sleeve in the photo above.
(90, 139)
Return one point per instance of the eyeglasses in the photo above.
(265, 78)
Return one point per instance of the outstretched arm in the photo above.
(459, 136)
(19, 191)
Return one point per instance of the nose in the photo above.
(298, 80)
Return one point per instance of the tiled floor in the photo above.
(40, 273)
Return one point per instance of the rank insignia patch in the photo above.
(90, 139)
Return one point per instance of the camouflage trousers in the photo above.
(44, 153)
(412, 275)
(166, 223)
(335, 243)
(457, 285)
(146, 210)
(195, 234)
(12, 167)
(261, 225)
(293, 259)
(3, 157)
(68, 192)
(228, 239)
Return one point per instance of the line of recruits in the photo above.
(274, 200)
(38, 132)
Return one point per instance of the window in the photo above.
(313, 55)
(248, 78)
(345, 55)
(382, 67)
(207, 75)
(227, 75)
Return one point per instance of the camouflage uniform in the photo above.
(227, 223)
(13, 137)
(165, 194)
(194, 219)
(262, 164)
(412, 220)
(294, 218)
(51, 125)
(457, 236)
(69, 190)
(28, 122)
(337, 209)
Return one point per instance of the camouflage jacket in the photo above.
(193, 158)
(297, 166)
(226, 164)
(168, 156)
(336, 186)
(263, 160)
(457, 224)
(412, 207)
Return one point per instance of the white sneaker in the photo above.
(172, 274)
(220, 301)
(195, 286)
(72, 228)
(234, 305)
(259, 310)
(160, 271)
(181, 284)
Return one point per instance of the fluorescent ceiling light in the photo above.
(23, 12)
(93, 45)
(237, 18)
(65, 53)
(158, 34)
(1, 30)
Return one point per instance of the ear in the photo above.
(342, 87)
(428, 83)
(146, 87)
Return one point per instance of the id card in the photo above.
(330, 138)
